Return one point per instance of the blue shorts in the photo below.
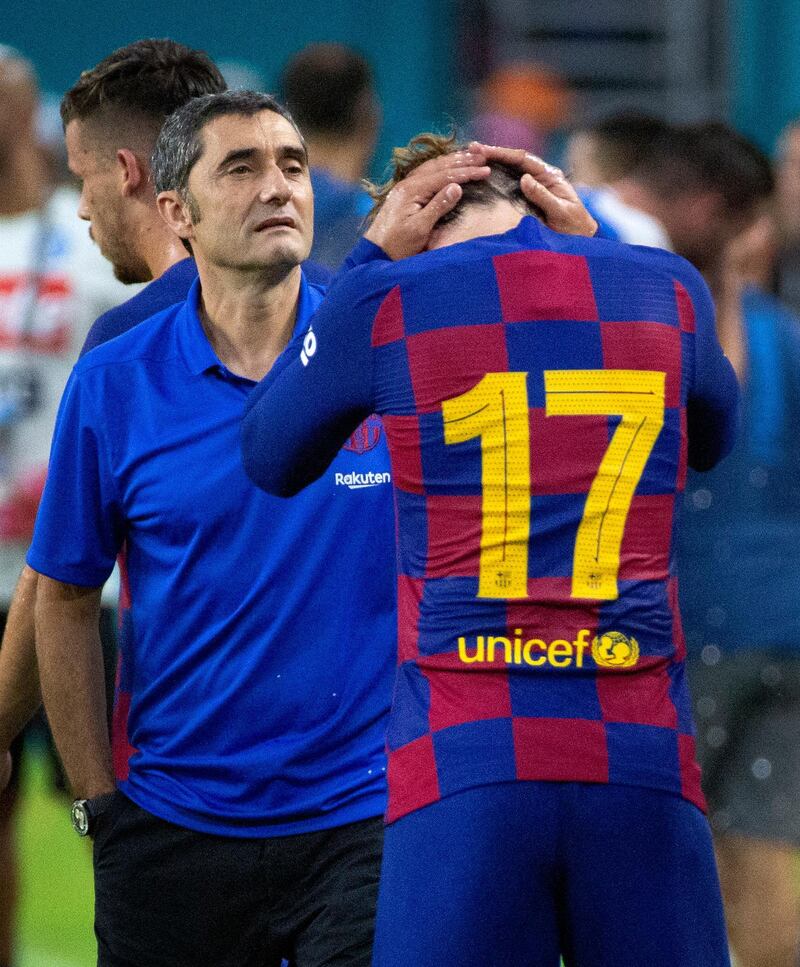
(520, 874)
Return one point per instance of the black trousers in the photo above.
(166, 896)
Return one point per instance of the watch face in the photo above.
(80, 817)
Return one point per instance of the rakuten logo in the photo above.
(358, 481)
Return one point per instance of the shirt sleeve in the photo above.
(102, 330)
(362, 253)
(316, 394)
(79, 527)
(712, 411)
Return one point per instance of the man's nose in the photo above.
(275, 187)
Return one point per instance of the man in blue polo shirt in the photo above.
(254, 713)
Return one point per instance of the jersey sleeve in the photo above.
(79, 527)
(316, 394)
(362, 253)
(712, 411)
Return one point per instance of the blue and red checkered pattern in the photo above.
(528, 304)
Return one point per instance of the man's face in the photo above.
(251, 204)
(102, 203)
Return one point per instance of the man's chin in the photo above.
(279, 260)
(130, 275)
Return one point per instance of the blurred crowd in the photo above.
(701, 189)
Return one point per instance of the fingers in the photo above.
(457, 159)
(421, 186)
(442, 202)
(563, 214)
(402, 228)
(518, 158)
(420, 226)
(557, 185)
(436, 173)
(547, 175)
(541, 196)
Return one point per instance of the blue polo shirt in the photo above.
(260, 644)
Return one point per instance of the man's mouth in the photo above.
(278, 221)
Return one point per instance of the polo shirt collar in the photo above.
(193, 342)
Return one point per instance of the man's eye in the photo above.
(239, 170)
(294, 169)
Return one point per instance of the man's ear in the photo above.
(175, 213)
(132, 171)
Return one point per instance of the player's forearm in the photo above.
(71, 672)
(19, 674)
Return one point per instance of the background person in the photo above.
(739, 557)
(601, 153)
(330, 90)
(121, 103)
(787, 209)
(53, 284)
(710, 187)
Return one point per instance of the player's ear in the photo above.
(131, 171)
(175, 212)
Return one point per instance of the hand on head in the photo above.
(414, 206)
(546, 187)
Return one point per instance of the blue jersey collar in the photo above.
(193, 342)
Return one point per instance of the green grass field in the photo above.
(55, 928)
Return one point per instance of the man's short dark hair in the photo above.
(709, 156)
(324, 87)
(178, 147)
(142, 82)
(623, 140)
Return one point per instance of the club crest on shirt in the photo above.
(366, 437)
(612, 649)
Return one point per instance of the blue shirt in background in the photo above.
(166, 290)
(339, 212)
(739, 551)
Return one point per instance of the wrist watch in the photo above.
(86, 812)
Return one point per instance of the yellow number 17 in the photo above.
(496, 410)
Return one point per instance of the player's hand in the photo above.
(413, 207)
(5, 769)
(546, 187)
